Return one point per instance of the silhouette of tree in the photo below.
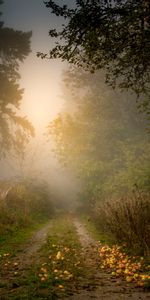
(14, 48)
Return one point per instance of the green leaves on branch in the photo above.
(111, 35)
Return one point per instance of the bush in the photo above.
(25, 203)
(128, 220)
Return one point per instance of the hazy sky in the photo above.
(42, 100)
(40, 78)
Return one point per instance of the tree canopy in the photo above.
(15, 130)
(107, 34)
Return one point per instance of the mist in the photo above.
(36, 160)
(74, 149)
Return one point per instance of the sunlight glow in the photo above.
(41, 100)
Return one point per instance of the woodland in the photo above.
(101, 137)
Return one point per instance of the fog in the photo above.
(90, 141)
(41, 102)
(40, 165)
(74, 149)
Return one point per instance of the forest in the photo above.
(91, 214)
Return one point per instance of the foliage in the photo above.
(105, 34)
(127, 219)
(24, 203)
(14, 130)
(103, 140)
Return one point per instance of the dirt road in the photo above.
(95, 284)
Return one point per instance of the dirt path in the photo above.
(98, 284)
(21, 262)
(28, 255)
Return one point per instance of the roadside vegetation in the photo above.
(118, 259)
(24, 206)
(103, 140)
(103, 134)
(127, 219)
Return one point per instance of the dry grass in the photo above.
(128, 220)
(23, 205)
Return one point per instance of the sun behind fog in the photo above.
(41, 99)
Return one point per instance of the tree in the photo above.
(107, 34)
(103, 139)
(14, 129)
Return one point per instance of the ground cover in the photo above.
(64, 260)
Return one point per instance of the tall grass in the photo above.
(24, 204)
(128, 220)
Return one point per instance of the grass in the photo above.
(61, 265)
(95, 232)
(56, 269)
(13, 242)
